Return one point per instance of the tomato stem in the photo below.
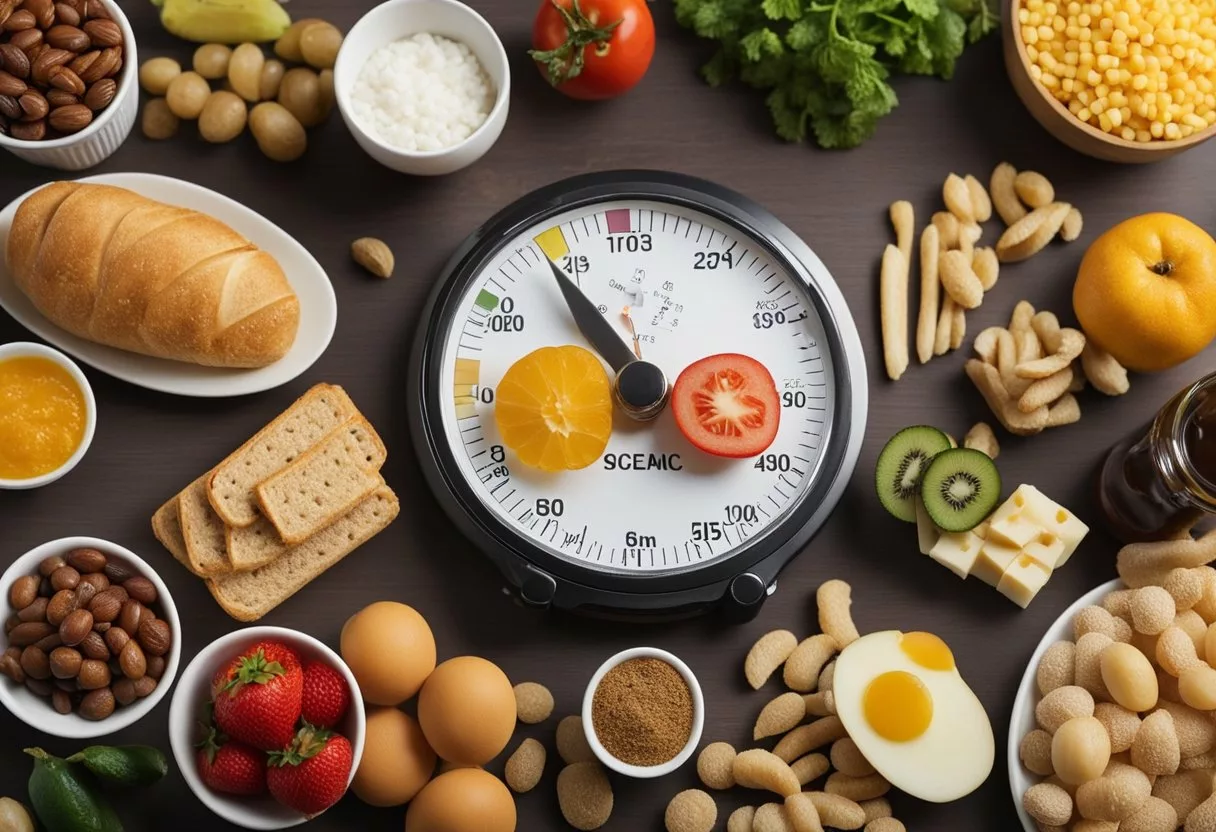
(566, 61)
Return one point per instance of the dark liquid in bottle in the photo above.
(1138, 502)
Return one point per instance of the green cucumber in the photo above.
(65, 802)
(126, 765)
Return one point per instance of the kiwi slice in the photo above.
(901, 464)
(960, 488)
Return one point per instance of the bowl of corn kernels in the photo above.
(1122, 80)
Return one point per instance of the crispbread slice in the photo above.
(252, 546)
(314, 415)
(325, 483)
(203, 531)
(247, 596)
(167, 526)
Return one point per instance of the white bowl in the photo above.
(36, 711)
(193, 692)
(698, 714)
(106, 133)
(396, 19)
(1022, 721)
(26, 349)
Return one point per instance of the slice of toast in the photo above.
(325, 483)
(252, 546)
(314, 415)
(167, 526)
(203, 531)
(247, 596)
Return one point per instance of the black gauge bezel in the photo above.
(579, 586)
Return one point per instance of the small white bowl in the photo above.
(193, 692)
(27, 349)
(396, 19)
(37, 712)
(698, 714)
(106, 133)
(1022, 721)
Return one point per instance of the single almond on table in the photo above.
(373, 255)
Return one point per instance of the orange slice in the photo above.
(553, 408)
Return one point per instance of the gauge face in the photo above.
(678, 285)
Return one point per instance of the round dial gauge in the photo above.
(681, 270)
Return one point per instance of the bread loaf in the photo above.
(117, 268)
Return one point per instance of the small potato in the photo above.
(319, 45)
(1035, 751)
(1121, 725)
(245, 71)
(1049, 805)
(1197, 686)
(1185, 586)
(1057, 667)
(155, 75)
(1155, 749)
(1061, 705)
(223, 117)
(1129, 677)
(1080, 750)
(187, 95)
(300, 93)
(272, 77)
(211, 60)
(158, 122)
(279, 135)
(1152, 609)
(1115, 796)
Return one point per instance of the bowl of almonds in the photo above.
(91, 639)
(67, 97)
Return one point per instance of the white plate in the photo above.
(1022, 721)
(318, 305)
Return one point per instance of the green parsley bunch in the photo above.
(826, 63)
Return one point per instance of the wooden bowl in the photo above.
(1055, 117)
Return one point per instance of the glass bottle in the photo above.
(1160, 482)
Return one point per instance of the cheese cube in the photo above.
(982, 528)
(1053, 517)
(1046, 549)
(1023, 580)
(957, 552)
(994, 559)
(1014, 529)
(927, 532)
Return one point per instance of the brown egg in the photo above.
(464, 800)
(390, 649)
(397, 762)
(467, 710)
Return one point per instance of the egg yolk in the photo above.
(927, 650)
(898, 706)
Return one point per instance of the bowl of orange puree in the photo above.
(47, 415)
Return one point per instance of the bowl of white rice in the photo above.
(423, 85)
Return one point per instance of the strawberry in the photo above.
(326, 695)
(311, 774)
(258, 696)
(231, 767)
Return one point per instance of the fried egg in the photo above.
(904, 704)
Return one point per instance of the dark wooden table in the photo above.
(149, 445)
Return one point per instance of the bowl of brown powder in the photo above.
(643, 712)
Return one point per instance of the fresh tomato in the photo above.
(727, 405)
(593, 49)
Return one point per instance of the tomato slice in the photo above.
(727, 405)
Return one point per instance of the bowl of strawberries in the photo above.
(267, 727)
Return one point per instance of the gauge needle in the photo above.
(641, 388)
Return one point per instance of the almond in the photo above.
(11, 85)
(34, 105)
(67, 14)
(70, 119)
(95, 10)
(27, 40)
(20, 20)
(155, 637)
(43, 11)
(28, 131)
(63, 36)
(9, 108)
(81, 63)
(59, 98)
(103, 33)
(14, 61)
(64, 79)
(373, 255)
(108, 62)
(48, 60)
(101, 94)
(6, 10)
